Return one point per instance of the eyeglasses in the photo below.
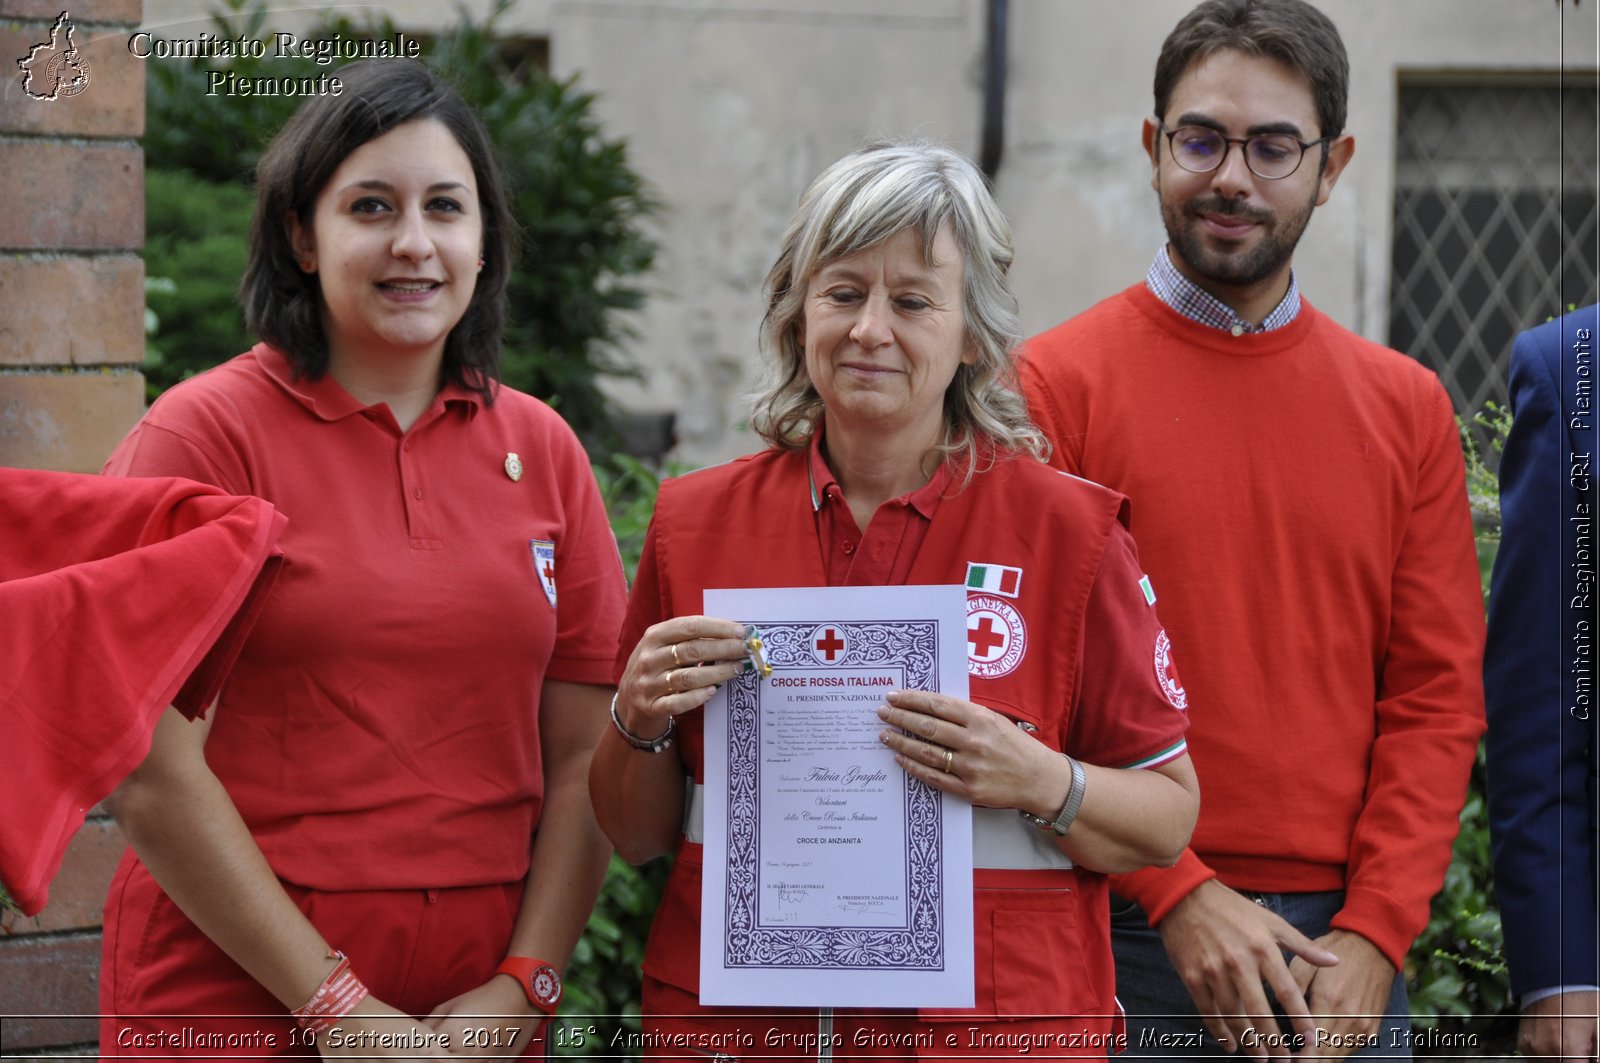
(1270, 156)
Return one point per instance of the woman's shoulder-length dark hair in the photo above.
(282, 304)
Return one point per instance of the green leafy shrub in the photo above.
(196, 246)
(581, 206)
(601, 1005)
(219, 138)
(577, 197)
(1455, 973)
(1493, 422)
(628, 487)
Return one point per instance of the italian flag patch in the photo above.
(994, 579)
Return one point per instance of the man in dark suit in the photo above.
(1539, 680)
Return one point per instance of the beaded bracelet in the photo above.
(649, 745)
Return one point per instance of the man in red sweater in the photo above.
(1299, 500)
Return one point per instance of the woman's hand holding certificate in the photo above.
(973, 752)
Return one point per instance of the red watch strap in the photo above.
(540, 981)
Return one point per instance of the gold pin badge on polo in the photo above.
(513, 466)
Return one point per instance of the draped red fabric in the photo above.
(118, 597)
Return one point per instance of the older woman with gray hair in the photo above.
(899, 452)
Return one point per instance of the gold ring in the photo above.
(949, 759)
(676, 662)
(671, 676)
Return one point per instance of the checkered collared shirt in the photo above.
(1197, 304)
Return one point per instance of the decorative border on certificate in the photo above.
(911, 647)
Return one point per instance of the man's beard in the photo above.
(1272, 251)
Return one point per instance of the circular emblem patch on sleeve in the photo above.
(996, 636)
(1167, 672)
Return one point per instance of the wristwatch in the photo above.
(540, 981)
(1069, 807)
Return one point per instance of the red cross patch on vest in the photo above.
(996, 636)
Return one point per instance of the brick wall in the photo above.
(71, 339)
(71, 281)
(50, 963)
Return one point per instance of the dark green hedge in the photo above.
(580, 202)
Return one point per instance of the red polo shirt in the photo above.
(884, 553)
(381, 727)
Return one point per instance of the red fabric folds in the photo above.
(118, 597)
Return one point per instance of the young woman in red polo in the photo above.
(381, 830)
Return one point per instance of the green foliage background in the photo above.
(195, 243)
(1455, 973)
(602, 997)
(579, 201)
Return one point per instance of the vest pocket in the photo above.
(672, 950)
(1038, 966)
(1028, 955)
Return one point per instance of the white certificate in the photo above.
(832, 878)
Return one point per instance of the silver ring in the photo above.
(949, 759)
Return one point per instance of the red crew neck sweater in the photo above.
(1299, 500)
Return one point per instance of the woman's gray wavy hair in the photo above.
(859, 202)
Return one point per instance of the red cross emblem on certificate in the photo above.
(828, 644)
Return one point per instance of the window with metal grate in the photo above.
(1495, 202)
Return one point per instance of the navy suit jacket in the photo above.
(1539, 666)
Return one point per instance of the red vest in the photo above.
(1043, 941)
